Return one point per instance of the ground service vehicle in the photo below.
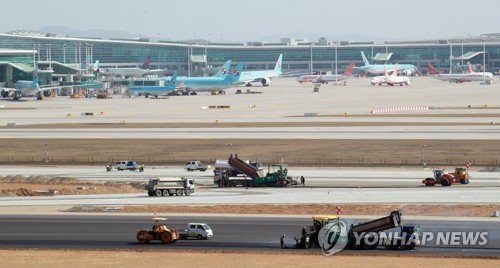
(447, 179)
(129, 165)
(158, 232)
(256, 177)
(195, 165)
(170, 186)
(196, 230)
(366, 231)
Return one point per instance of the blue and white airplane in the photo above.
(213, 83)
(164, 86)
(27, 88)
(262, 76)
(378, 69)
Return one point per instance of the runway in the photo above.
(383, 132)
(230, 233)
(294, 195)
(316, 177)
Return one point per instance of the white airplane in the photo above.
(263, 76)
(325, 79)
(461, 78)
(379, 80)
(394, 79)
(132, 72)
(26, 88)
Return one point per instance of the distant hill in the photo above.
(95, 33)
(330, 37)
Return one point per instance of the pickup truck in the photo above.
(195, 165)
(196, 230)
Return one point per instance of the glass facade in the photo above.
(174, 56)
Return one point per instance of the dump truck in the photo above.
(407, 236)
(170, 186)
(158, 232)
(255, 177)
(447, 179)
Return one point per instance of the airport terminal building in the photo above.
(63, 55)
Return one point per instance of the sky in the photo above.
(251, 20)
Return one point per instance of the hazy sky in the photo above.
(253, 19)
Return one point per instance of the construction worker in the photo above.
(307, 242)
(302, 181)
(282, 241)
(304, 231)
(108, 167)
(141, 169)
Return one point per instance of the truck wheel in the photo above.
(199, 237)
(119, 169)
(188, 192)
(445, 182)
(178, 192)
(158, 193)
(466, 181)
(165, 192)
(203, 170)
(189, 169)
(141, 237)
(151, 193)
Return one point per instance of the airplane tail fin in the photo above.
(386, 74)
(95, 68)
(36, 80)
(236, 73)
(146, 64)
(395, 72)
(222, 72)
(471, 71)
(431, 68)
(349, 69)
(173, 80)
(277, 68)
(365, 60)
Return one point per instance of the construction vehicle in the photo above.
(158, 232)
(461, 174)
(255, 175)
(196, 230)
(357, 235)
(170, 186)
(447, 179)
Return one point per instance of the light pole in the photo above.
(422, 156)
(229, 148)
(311, 58)
(336, 71)
(64, 53)
(484, 61)
(46, 153)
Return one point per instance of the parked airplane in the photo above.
(26, 88)
(199, 84)
(406, 69)
(394, 79)
(325, 79)
(461, 78)
(264, 76)
(382, 79)
(132, 72)
(164, 86)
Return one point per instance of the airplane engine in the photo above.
(5, 93)
(47, 93)
(407, 72)
(265, 81)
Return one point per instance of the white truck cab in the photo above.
(196, 230)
